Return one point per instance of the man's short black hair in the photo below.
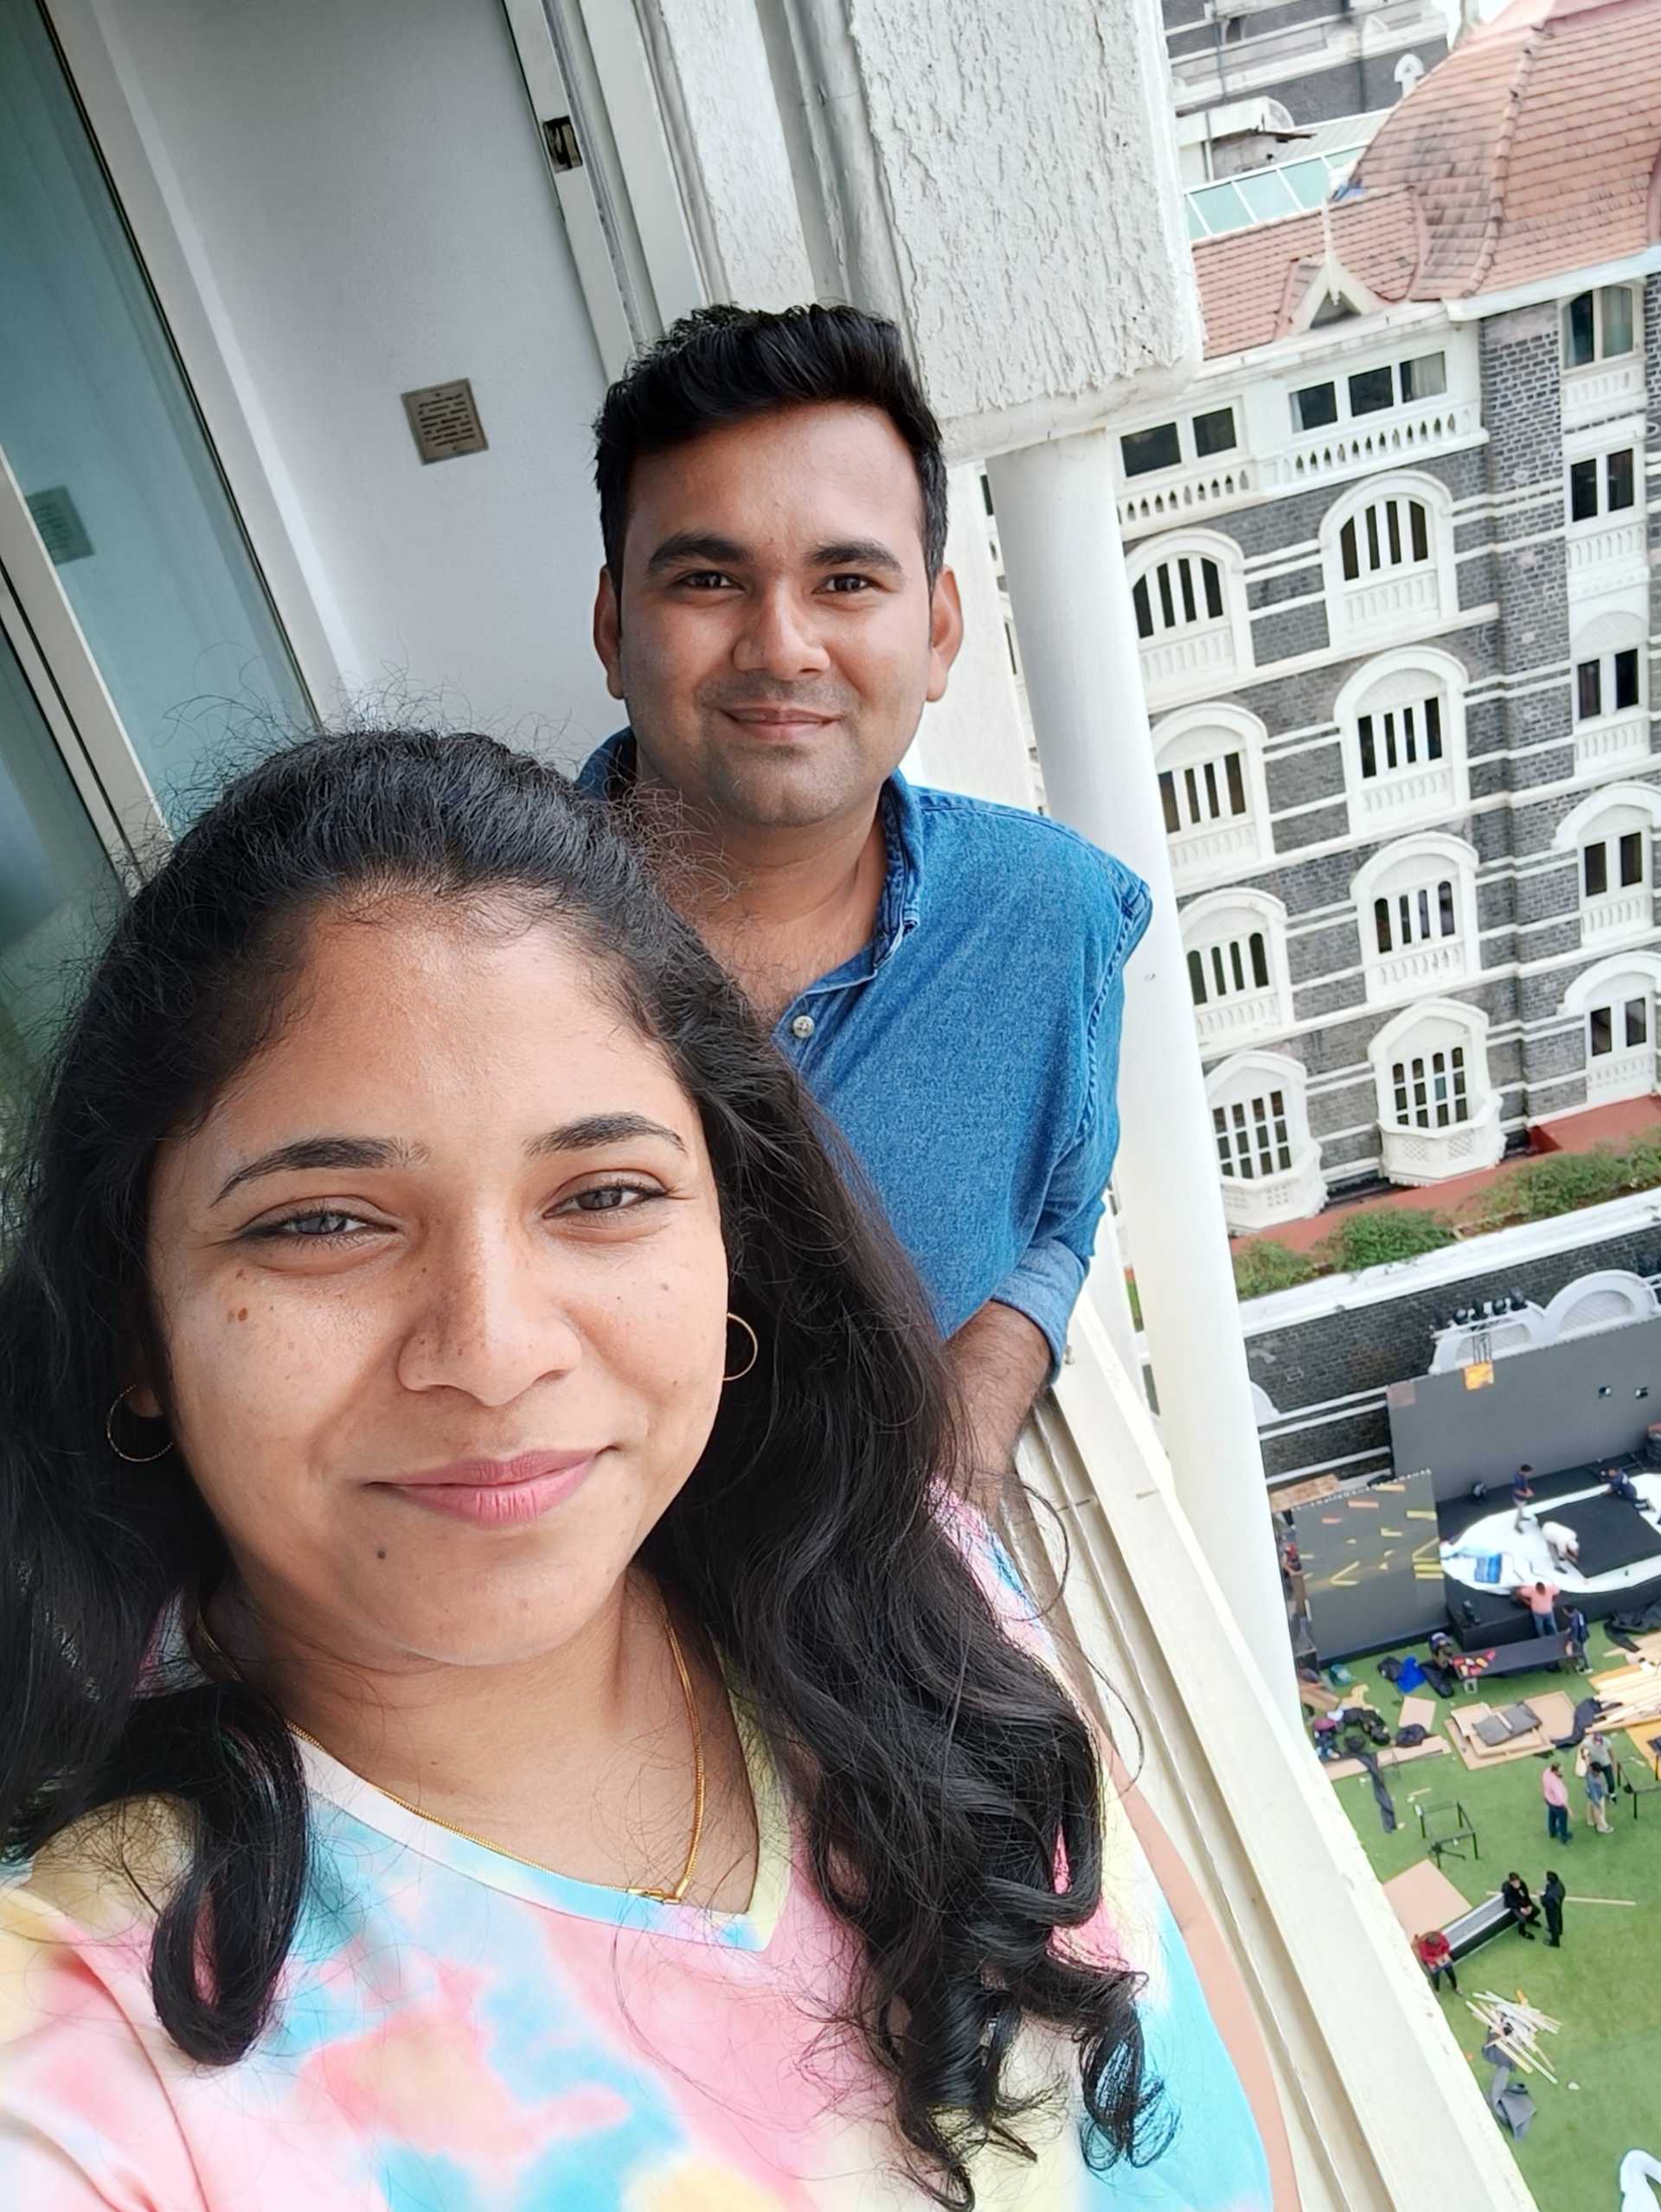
(722, 365)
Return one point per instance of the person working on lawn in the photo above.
(947, 977)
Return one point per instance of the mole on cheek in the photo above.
(380, 1551)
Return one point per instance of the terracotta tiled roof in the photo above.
(1535, 148)
(1253, 282)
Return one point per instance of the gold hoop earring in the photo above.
(133, 1458)
(738, 1374)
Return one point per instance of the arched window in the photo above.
(1401, 722)
(1612, 836)
(1269, 1164)
(1437, 1114)
(1387, 549)
(1188, 593)
(1416, 905)
(1237, 975)
(1610, 691)
(1209, 762)
(1617, 1000)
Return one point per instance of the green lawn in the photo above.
(1604, 1984)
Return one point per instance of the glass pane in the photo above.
(1582, 491)
(1368, 757)
(1143, 612)
(1620, 478)
(1195, 223)
(1220, 207)
(1196, 977)
(1308, 182)
(1578, 348)
(1600, 1021)
(98, 426)
(1314, 406)
(1267, 194)
(1212, 577)
(1425, 378)
(1626, 673)
(1214, 432)
(55, 881)
(1419, 523)
(1632, 859)
(1595, 862)
(1168, 802)
(1236, 783)
(1588, 690)
(1146, 450)
(1638, 1020)
(1371, 389)
(1617, 303)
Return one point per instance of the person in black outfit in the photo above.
(1552, 1898)
(1520, 1904)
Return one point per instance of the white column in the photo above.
(1058, 529)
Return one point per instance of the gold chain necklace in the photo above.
(674, 1896)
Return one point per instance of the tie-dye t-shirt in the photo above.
(458, 2031)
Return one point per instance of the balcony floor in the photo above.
(1604, 1984)
(1617, 1124)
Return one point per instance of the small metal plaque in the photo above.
(58, 519)
(444, 420)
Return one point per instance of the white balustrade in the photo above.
(1415, 1156)
(1628, 912)
(1170, 662)
(1372, 442)
(1385, 799)
(1612, 740)
(1437, 961)
(1605, 555)
(1609, 387)
(1262, 1202)
(1224, 1023)
(1627, 1075)
(1194, 491)
(1198, 853)
(1397, 599)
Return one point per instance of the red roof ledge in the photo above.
(1533, 150)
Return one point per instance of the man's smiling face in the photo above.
(776, 637)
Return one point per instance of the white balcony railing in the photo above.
(1438, 960)
(1612, 740)
(1174, 664)
(1601, 556)
(1198, 853)
(1383, 2111)
(1265, 1201)
(1609, 387)
(1416, 1155)
(1196, 490)
(1350, 448)
(1386, 800)
(1405, 600)
(1224, 1023)
(1617, 914)
(1628, 1074)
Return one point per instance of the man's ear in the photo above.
(608, 633)
(945, 632)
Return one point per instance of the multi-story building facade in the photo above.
(1391, 564)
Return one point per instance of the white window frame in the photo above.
(1429, 610)
(1598, 293)
(1615, 736)
(1424, 860)
(1229, 918)
(1291, 1193)
(1420, 1032)
(1231, 629)
(1600, 451)
(1626, 910)
(1190, 738)
(1385, 684)
(1611, 982)
(1188, 455)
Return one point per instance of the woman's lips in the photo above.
(497, 1493)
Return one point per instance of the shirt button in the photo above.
(802, 1027)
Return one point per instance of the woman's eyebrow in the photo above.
(594, 1129)
(326, 1152)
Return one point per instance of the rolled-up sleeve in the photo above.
(1045, 1282)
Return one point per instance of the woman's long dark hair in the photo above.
(950, 1790)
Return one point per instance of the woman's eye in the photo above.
(321, 1226)
(607, 1198)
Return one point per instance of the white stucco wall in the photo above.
(371, 206)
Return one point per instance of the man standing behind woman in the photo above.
(946, 975)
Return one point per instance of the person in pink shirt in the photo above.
(1540, 1599)
(1556, 1797)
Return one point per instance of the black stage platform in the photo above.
(1613, 1534)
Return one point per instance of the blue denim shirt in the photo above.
(969, 1054)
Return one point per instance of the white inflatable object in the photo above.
(1637, 2170)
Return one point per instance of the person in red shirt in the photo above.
(1540, 1599)
(1435, 1954)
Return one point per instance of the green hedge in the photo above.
(1375, 1240)
(1564, 1182)
(1264, 1266)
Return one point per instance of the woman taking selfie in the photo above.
(500, 1708)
